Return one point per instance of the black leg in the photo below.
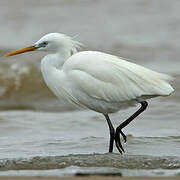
(144, 105)
(112, 133)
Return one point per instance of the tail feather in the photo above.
(155, 83)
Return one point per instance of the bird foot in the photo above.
(118, 140)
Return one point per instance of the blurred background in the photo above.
(34, 122)
(147, 32)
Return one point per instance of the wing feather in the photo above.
(112, 79)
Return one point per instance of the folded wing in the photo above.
(112, 79)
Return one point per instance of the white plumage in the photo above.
(106, 83)
(96, 80)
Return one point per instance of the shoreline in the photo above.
(129, 162)
(89, 178)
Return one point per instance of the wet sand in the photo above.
(90, 178)
(113, 163)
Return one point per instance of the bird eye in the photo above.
(43, 44)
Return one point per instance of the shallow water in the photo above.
(30, 133)
(36, 128)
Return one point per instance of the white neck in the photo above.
(51, 68)
(55, 60)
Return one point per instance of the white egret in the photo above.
(96, 80)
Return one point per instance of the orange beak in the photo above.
(19, 51)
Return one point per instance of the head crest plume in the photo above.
(75, 45)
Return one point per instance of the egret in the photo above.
(98, 81)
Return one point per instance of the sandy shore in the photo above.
(89, 178)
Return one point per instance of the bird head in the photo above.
(52, 42)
